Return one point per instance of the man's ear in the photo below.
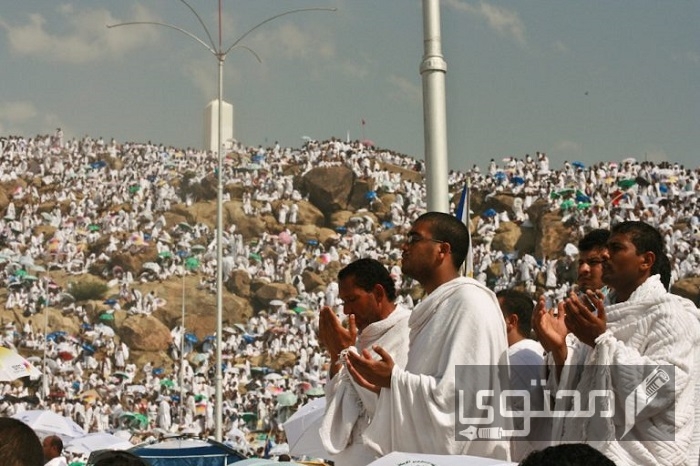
(379, 292)
(511, 321)
(648, 260)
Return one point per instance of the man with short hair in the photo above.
(19, 445)
(457, 323)
(368, 294)
(53, 447)
(525, 357)
(642, 326)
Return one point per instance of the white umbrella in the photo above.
(152, 266)
(14, 366)
(97, 441)
(396, 458)
(302, 430)
(46, 422)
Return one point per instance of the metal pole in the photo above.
(433, 70)
(182, 356)
(220, 55)
(219, 259)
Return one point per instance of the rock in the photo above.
(145, 333)
(329, 188)
(507, 237)
(309, 214)
(552, 233)
(312, 280)
(238, 283)
(688, 288)
(358, 196)
(272, 291)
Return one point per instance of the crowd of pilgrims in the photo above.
(93, 177)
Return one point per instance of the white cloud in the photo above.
(567, 148)
(502, 20)
(289, 41)
(84, 36)
(403, 89)
(23, 117)
(17, 112)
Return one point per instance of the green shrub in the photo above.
(90, 289)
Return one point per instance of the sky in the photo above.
(586, 81)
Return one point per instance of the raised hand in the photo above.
(372, 374)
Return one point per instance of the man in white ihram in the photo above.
(458, 323)
(368, 294)
(643, 325)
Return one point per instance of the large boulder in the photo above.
(551, 233)
(688, 288)
(309, 214)
(145, 333)
(329, 188)
(507, 237)
(312, 281)
(273, 291)
(238, 283)
(359, 195)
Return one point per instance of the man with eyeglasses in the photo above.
(457, 323)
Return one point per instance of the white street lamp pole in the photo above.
(220, 55)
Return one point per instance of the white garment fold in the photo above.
(349, 407)
(459, 323)
(651, 328)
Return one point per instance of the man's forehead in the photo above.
(595, 251)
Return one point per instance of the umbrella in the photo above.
(582, 197)
(567, 204)
(46, 422)
(165, 254)
(517, 180)
(89, 395)
(134, 419)
(184, 226)
(490, 213)
(97, 441)
(87, 347)
(284, 237)
(167, 383)
(627, 183)
(54, 335)
(247, 416)
(14, 366)
(191, 338)
(191, 263)
(578, 164)
(93, 227)
(106, 316)
(273, 376)
(396, 458)
(110, 302)
(152, 266)
(198, 248)
(315, 391)
(287, 399)
(302, 429)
